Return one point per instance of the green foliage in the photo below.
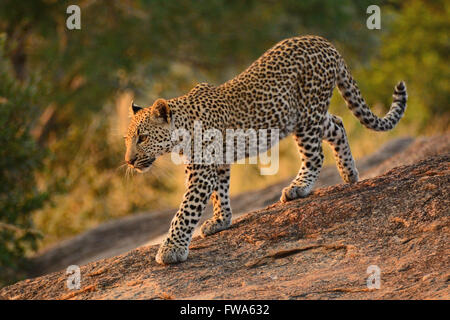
(19, 160)
(416, 49)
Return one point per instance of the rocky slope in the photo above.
(314, 248)
(121, 235)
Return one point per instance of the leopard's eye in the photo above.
(142, 138)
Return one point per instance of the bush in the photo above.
(20, 157)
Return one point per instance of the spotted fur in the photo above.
(289, 88)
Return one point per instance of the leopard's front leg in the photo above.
(201, 181)
(221, 202)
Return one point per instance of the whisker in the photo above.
(121, 166)
(164, 169)
(127, 174)
(160, 174)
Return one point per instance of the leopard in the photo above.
(288, 88)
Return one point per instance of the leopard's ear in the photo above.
(134, 108)
(161, 111)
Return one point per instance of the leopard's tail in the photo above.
(355, 102)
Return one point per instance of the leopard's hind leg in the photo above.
(334, 134)
(309, 142)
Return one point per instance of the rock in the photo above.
(319, 247)
(121, 235)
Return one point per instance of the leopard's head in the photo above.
(148, 135)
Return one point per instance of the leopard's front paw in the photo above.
(213, 225)
(294, 192)
(170, 253)
(351, 177)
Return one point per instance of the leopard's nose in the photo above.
(132, 161)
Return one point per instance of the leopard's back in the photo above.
(285, 85)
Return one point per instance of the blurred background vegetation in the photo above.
(64, 95)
